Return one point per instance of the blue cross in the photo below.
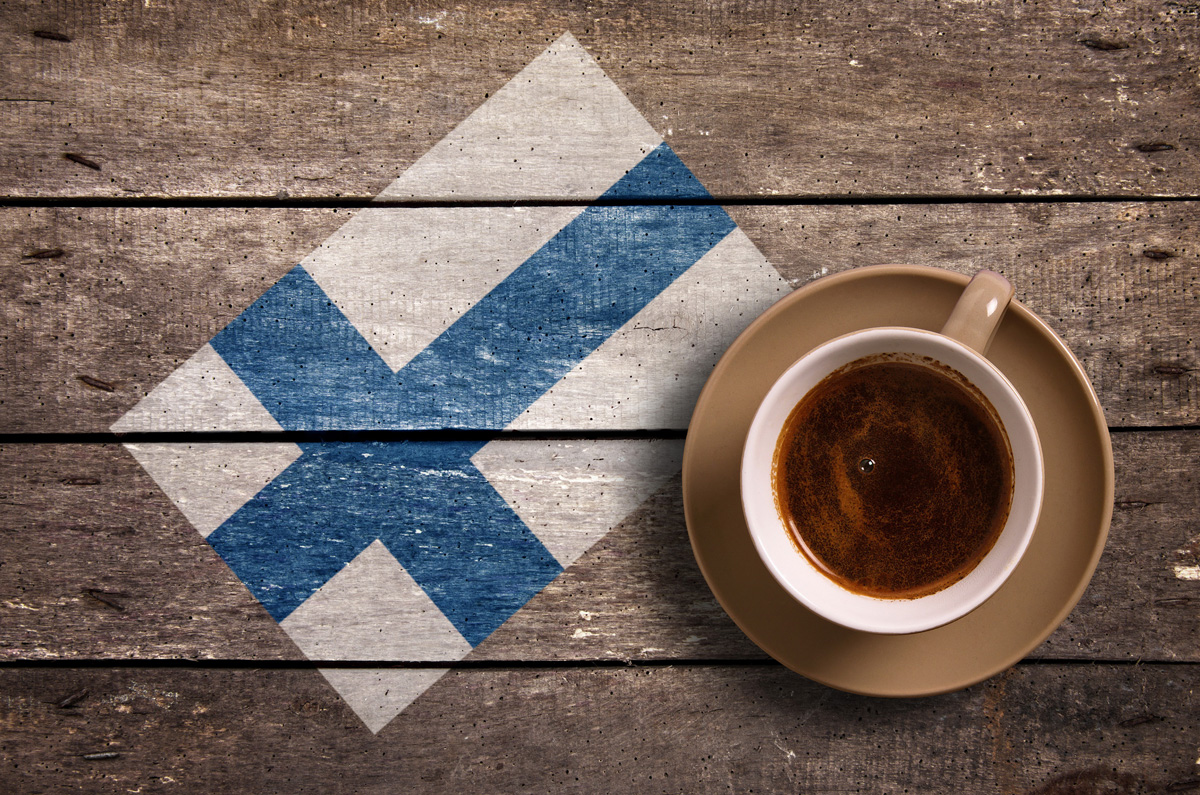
(453, 533)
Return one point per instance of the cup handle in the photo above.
(977, 315)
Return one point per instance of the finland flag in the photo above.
(603, 313)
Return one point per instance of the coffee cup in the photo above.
(892, 477)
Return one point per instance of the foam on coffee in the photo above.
(894, 476)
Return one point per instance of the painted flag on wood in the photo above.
(607, 313)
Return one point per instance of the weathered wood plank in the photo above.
(1036, 728)
(102, 550)
(115, 265)
(1119, 282)
(304, 99)
(1142, 579)
(99, 565)
(101, 305)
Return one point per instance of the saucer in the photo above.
(1046, 585)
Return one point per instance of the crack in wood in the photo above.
(96, 383)
(1139, 720)
(81, 160)
(44, 253)
(1171, 368)
(1104, 45)
(105, 599)
(73, 699)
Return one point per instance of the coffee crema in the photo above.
(894, 476)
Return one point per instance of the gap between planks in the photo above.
(799, 200)
(449, 435)
(302, 437)
(485, 665)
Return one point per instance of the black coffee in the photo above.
(894, 477)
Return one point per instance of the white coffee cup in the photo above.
(961, 346)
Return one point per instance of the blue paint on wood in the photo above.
(304, 361)
(428, 504)
(660, 175)
(312, 370)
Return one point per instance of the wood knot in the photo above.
(1155, 146)
(1157, 253)
(1104, 45)
(80, 481)
(44, 253)
(96, 383)
(302, 706)
(1139, 720)
(73, 699)
(1173, 369)
(106, 599)
(81, 160)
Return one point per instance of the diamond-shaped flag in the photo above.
(604, 315)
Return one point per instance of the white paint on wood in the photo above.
(559, 128)
(209, 481)
(373, 610)
(571, 493)
(402, 276)
(1187, 572)
(649, 373)
(202, 394)
(379, 694)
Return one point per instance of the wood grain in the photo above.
(303, 99)
(99, 565)
(130, 293)
(211, 148)
(1112, 279)
(702, 728)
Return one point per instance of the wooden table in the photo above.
(218, 464)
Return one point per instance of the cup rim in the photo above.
(815, 590)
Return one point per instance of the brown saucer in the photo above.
(1066, 546)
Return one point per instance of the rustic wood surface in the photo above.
(168, 162)
(744, 727)
(100, 565)
(134, 292)
(313, 100)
